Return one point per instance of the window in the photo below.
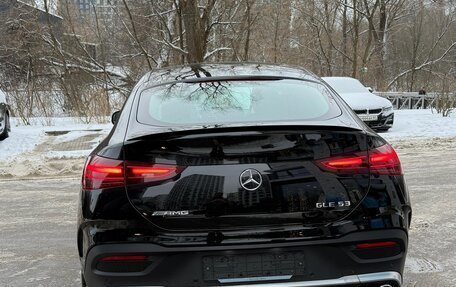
(234, 102)
(86, 5)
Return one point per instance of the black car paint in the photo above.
(209, 187)
(108, 222)
(5, 113)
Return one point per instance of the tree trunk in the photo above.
(344, 37)
(276, 31)
(194, 31)
(355, 40)
(249, 27)
(380, 47)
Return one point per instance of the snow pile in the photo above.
(38, 150)
(21, 140)
(24, 139)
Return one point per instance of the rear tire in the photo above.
(6, 124)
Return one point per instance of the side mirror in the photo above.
(115, 117)
(370, 89)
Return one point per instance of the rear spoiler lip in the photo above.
(173, 132)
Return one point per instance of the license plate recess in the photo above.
(253, 265)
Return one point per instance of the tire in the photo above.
(5, 134)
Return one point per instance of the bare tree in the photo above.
(93, 58)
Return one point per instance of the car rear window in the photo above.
(220, 102)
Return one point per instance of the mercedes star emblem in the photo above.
(251, 179)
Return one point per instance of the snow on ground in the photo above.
(24, 139)
(21, 140)
(420, 124)
(41, 150)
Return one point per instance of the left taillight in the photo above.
(142, 173)
(101, 172)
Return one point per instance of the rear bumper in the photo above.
(328, 262)
(379, 279)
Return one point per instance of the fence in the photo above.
(412, 100)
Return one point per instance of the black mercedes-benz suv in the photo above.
(241, 175)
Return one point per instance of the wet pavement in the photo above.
(38, 233)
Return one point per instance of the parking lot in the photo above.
(38, 242)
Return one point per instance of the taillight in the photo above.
(140, 173)
(353, 163)
(382, 161)
(101, 172)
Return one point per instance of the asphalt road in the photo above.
(38, 240)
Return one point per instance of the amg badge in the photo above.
(171, 213)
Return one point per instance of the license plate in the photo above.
(368, 118)
(245, 266)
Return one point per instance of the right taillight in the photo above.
(382, 161)
(101, 172)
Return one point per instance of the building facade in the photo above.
(103, 8)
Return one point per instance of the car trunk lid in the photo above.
(226, 179)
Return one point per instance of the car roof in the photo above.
(339, 78)
(226, 70)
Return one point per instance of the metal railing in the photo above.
(412, 100)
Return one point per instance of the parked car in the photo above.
(5, 126)
(241, 175)
(375, 111)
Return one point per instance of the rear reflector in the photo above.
(100, 173)
(382, 161)
(123, 263)
(377, 250)
(376, 245)
(125, 258)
